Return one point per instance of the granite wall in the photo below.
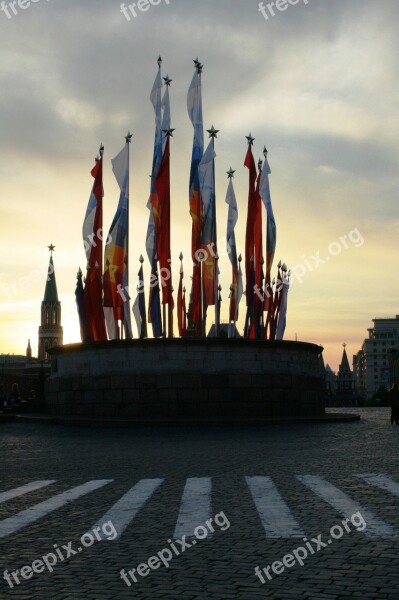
(172, 379)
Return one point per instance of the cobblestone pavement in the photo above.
(265, 511)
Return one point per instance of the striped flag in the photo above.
(283, 305)
(271, 229)
(194, 107)
(92, 239)
(206, 173)
(162, 223)
(116, 273)
(154, 308)
(232, 219)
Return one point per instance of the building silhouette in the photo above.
(376, 364)
(345, 379)
(50, 330)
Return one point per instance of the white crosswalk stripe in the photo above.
(33, 514)
(276, 517)
(376, 528)
(195, 510)
(195, 506)
(125, 510)
(24, 489)
(382, 482)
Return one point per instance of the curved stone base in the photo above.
(190, 378)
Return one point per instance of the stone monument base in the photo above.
(187, 379)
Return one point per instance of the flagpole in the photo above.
(218, 289)
(170, 313)
(128, 139)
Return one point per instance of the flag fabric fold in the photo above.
(206, 174)
(79, 297)
(162, 224)
(154, 306)
(271, 228)
(194, 107)
(232, 219)
(92, 233)
(116, 276)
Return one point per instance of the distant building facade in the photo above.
(359, 373)
(50, 330)
(376, 364)
(331, 382)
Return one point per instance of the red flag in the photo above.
(162, 224)
(93, 302)
(251, 219)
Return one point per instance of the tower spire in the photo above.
(50, 330)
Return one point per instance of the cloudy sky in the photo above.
(317, 83)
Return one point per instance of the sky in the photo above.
(317, 83)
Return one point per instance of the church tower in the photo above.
(50, 330)
(345, 381)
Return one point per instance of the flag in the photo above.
(253, 245)
(79, 297)
(249, 234)
(282, 314)
(154, 307)
(181, 306)
(271, 229)
(240, 288)
(116, 275)
(206, 173)
(162, 223)
(194, 107)
(92, 239)
(139, 308)
(232, 219)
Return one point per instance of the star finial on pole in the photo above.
(250, 139)
(230, 173)
(51, 249)
(168, 132)
(198, 65)
(167, 80)
(128, 137)
(213, 133)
